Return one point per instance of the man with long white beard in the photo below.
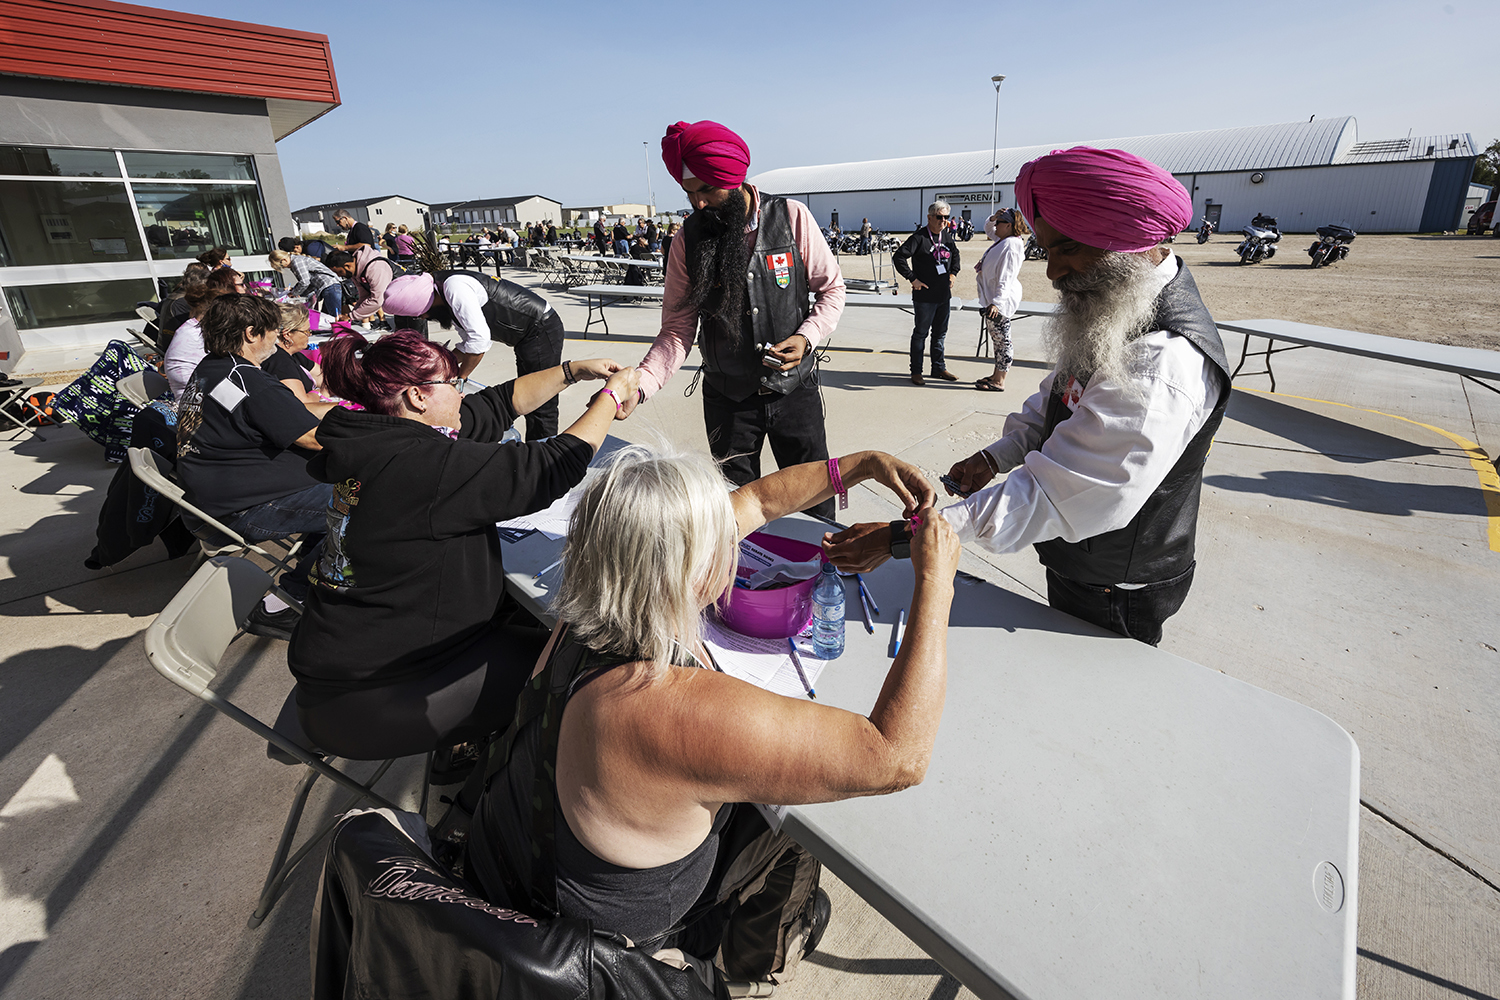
(1105, 462)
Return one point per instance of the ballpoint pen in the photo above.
(864, 609)
(797, 662)
(900, 631)
(547, 569)
(864, 592)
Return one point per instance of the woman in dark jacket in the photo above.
(407, 642)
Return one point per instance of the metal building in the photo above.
(376, 212)
(1307, 174)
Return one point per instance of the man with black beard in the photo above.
(1105, 463)
(738, 282)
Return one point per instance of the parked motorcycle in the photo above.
(1332, 245)
(1034, 250)
(1261, 237)
(1205, 231)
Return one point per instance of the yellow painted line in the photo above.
(1489, 481)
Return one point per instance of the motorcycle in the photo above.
(1205, 231)
(1034, 250)
(1261, 237)
(1332, 245)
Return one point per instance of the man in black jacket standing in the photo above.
(929, 259)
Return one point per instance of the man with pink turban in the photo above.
(1104, 464)
(740, 287)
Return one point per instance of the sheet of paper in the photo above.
(763, 662)
(552, 522)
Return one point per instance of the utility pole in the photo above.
(995, 144)
(646, 155)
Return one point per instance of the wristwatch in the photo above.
(900, 540)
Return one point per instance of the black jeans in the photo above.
(1137, 613)
(468, 698)
(540, 349)
(794, 423)
(930, 316)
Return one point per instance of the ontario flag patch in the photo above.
(781, 266)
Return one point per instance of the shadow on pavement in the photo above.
(1333, 438)
(1374, 496)
(40, 681)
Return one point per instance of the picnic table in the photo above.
(1100, 818)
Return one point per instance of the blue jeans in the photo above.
(331, 299)
(304, 512)
(622, 248)
(931, 316)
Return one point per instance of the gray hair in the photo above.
(1101, 313)
(344, 213)
(939, 206)
(652, 540)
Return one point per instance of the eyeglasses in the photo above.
(934, 215)
(460, 383)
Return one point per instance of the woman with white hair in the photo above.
(630, 750)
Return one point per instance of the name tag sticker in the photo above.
(228, 395)
(941, 269)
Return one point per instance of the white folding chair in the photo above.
(143, 387)
(185, 644)
(215, 537)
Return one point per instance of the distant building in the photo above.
(480, 212)
(1478, 195)
(1307, 174)
(378, 212)
(589, 214)
(132, 140)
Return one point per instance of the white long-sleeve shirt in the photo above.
(999, 275)
(1101, 464)
(183, 355)
(467, 297)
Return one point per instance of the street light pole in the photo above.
(995, 145)
(646, 155)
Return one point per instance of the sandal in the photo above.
(987, 385)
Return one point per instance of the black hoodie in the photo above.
(410, 573)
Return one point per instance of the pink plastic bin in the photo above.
(772, 614)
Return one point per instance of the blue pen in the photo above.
(864, 592)
(797, 662)
(900, 631)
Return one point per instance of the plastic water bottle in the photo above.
(828, 615)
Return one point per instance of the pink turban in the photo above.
(707, 151)
(1105, 198)
(410, 295)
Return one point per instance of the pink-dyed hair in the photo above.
(375, 375)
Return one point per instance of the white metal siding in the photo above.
(401, 211)
(1370, 198)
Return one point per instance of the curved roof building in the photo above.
(1307, 173)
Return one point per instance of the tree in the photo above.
(1487, 167)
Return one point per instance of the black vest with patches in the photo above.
(1158, 543)
(510, 309)
(774, 309)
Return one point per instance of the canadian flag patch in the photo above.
(781, 266)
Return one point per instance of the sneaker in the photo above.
(819, 912)
(945, 375)
(272, 626)
(917, 380)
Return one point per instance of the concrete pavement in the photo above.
(1345, 562)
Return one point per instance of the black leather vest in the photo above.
(510, 309)
(1158, 543)
(775, 306)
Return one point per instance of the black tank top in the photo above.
(644, 904)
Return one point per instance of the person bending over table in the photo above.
(485, 309)
(408, 642)
(243, 440)
(652, 750)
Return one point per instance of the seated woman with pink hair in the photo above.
(408, 642)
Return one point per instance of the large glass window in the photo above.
(37, 307)
(189, 166)
(183, 220)
(66, 222)
(42, 161)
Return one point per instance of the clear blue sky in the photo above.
(556, 97)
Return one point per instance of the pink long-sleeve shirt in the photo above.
(679, 321)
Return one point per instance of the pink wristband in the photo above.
(611, 394)
(838, 483)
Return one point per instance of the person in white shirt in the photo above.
(1104, 464)
(999, 281)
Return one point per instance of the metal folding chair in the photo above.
(185, 644)
(143, 387)
(216, 538)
